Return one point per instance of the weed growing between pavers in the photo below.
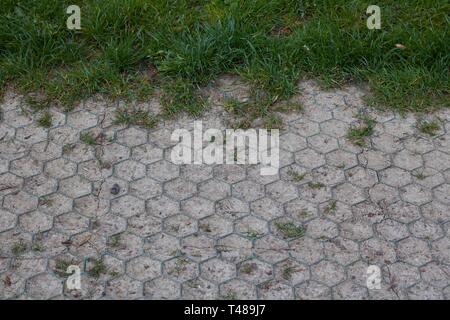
(45, 120)
(358, 134)
(429, 127)
(289, 230)
(126, 48)
(98, 268)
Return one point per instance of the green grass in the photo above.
(289, 230)
(45, 120)
(135, 117)
(316, 185)
(98, 268)
(19, 248)
(127, 48)
(88, 138)
(330, 207)
(358, 134)
(429, 128)
(61, 267)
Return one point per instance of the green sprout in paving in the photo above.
(331, 206)
(358, 134)
(295, 176)
(289, 230)
(98, 268)
(430, 128)
(19, 248)
(115, 241)
(287, 272)
(316, 185)
(135, 117)
(45, 120)
(88, 138)
(248, 268)
(61, 267)
(230, 296)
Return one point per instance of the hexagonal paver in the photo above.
(145, 188)
(127, 206)
(395, 177)
(20, 202)
(142, 268)
(146, 154)
(416, 194)
(132, 137)
(198, 247)
(255, 271)
(180, 189)
(44, 286)
(75, 186)
(129, 170)
(309, 158)
(442, 193)
(7, 220)
(230, 173)
(180, 225)
(124, 288)
(35, 222)
(349, 194)
(162, 289)
(217, 270)
(282, 191)
(163, 171)
(60, 168)
(162, 246)
(248, 190)
(199, 289)
(162, 206)
(328, 273)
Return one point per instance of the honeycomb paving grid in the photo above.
(224, 231)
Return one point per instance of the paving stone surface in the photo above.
(141, 227)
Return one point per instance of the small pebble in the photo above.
(115, 189)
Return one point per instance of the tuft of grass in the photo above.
(287, 273)
(88, 138)
(98, 268)
(248, 268)
(180, 266)
(115, 241)
(61, 267)
(230, 295)
(316, 185)
(430, 127)
(289, 230)
(67, 148)
(273, 122)
(331, 206)
(252, 234)
(179, 96)
(135, 117)
(19, 248)
(358, 134)
(295, 176)
(45, 120)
